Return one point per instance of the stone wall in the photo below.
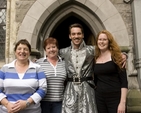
(16, 11)
(125, 11)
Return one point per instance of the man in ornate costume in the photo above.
(79, 96)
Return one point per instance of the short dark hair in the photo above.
(76, 25)
(50, 40)
(24, 42)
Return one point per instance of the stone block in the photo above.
(134, 101)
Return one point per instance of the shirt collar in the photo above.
(81, 45)
(12, 64)
(45, 59)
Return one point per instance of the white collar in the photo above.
(81, 45)
(12, 64)
(60, 59)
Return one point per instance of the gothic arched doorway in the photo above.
(61, 32)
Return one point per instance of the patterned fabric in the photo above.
(79, 98)
(56, 75)
(33, 84)
(78, 58)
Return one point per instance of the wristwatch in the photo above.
(27, 103)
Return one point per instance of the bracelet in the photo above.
(27, 103)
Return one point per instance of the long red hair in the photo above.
(113, 47)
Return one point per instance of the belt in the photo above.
(76, 79)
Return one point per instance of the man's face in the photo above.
(76, 36)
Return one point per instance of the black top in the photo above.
(108, 77)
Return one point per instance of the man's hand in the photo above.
(124, 58)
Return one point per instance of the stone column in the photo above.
(134, 93)
(136, 11)
(11, 31)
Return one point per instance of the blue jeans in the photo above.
(51, 107)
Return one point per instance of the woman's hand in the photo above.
(18, 106)
(121, 108)
(9, 107)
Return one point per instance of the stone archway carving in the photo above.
(104, 10)
(40, 10)
(107, 17)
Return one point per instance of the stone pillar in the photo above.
(134, 93)
(136, 11)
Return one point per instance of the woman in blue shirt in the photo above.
(22, 83)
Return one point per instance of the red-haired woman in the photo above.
(55, 71)
(110, 77)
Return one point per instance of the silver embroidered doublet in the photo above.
(79, 98)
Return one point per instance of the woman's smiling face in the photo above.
(103, 42)
(22, 52)
(51, 51)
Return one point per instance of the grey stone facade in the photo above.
(27, 18)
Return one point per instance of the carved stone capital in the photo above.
(35, 53)
(127, 1)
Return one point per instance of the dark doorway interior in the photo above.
(61, 32)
